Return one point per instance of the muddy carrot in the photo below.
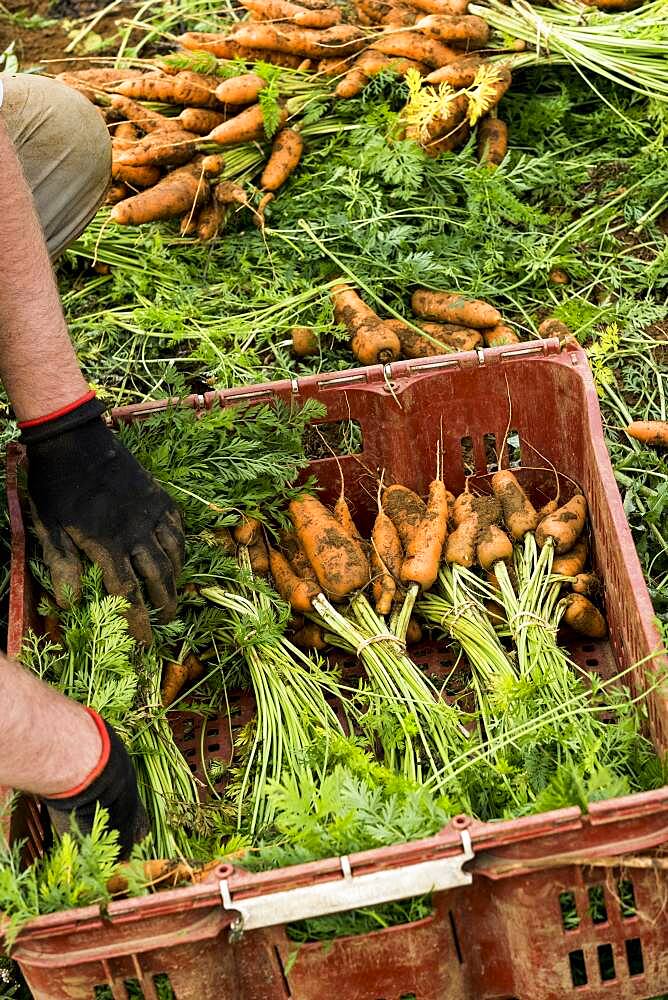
(406, 509)
(413, 632)
(458, 74)
(449, 337)
(650, 432)
(573, 562)
(148, 121)
(449, 307)
(165, 874)
(584, 617)
(414, 45)
(519, 513)
(423, 554)
(460, 547)
(186, 88)
(304, 342)
(201, 121)
(339, 561)
(553, 327)
(174, 677)
(247, 531)
(342, 39)
(565, 526)
(372, 341)
(259, 556)
(587, 584)
(171, 148)
(286, 153)
(384, 586)
(492, 141)
(178, 192)
(493, 546)
(310, 636)
(299, 593)
(247, 126)
(242, 89)
(456, 29)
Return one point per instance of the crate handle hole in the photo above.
(597, 907)
(606, 962)
(578, 967)
(627, 899)
(634, 957)
(569, 913)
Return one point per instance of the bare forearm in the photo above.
(48, 744)
(38, 366)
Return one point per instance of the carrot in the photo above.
(259, 557)
(385, 541)
(310, 636)
(174, 677)
(583, 617)
(167, 874)
(53, 629)
(148, 121)
(565, 526)
(519, 513)
(117, 192)
(137, 177)
(201, 121)
(191, 89)
(650, 432)
(224, 47)
(297, 558)
(458, 74)
(495, 89)
(413, 45)
(405, 509)
(343, 515)
(573, 562)
(175, 194)
(452, 308)
(492, 141)
(284, 10)
(259, 213)
(413, 632)
(451, 136)
(457, 29)
(247, 126)
(463, 507)
(554, 328)
(499, 336)
(449, 337)
(242, 89)
(369, 64)
(339, 561)
(587, 584)
(488, 510)
(229, 193)
(372, 341)
(547, 508)
(212, 164)
(493, 546)
(441, 6)
(101, 77)
(461, 544)
(286, 153)
(423, 554)
(297, 592)
(247, 531)
(384, 585)
(342, 39)
(172, 148)
(304, 342)
(125, 132)
(333, 67)
(188, 226)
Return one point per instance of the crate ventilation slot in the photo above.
(578, 967)
(513, 448)
(597, 908)
(606, 962)
(569, 914)
(634, 958)
(339, 437)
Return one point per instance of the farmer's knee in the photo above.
(64, 148)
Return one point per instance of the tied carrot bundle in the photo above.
(339, 561)
(304, 342)
(182, 190)
(242, 89)
(373, 342)
(405, 509)
(448, 307)
(564, 526)
(650, 432)
(492, 141)
(286, 153)
(423, 554)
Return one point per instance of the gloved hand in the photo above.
(89, 494)
(113, 785)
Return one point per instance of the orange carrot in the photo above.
(172, 148)
(372, 341)
(441, 6)
(449, 307)
(213, 164)
(286, 153)
(137, 177)
(165, 874)
(299, 593)
(458, 74)
(259, 557)
(650, 432)
(126, 132)
(383, 584)
(449, 337)
(247, 531)
(191, 89)
(565, 526)
(148, 121)
(499, 336)
(584, 617)
(333, 67)
(310, 636)
(552, 327)
(174, 677)
(342, 39)
(297, 557)
(573, 562)
(461, 544)
(519, 513)
(456, 29)
(117, 192)
(304, 342)
(414, 45)
(423, 554)
(339, 561)
(369, 64)
(247, 126)
(405, 509)
(492, 141)
(224, 47)
(385, 541)
(587, 584)
(493, 546)
(229, 193)
(178, 192)
(413, 632)
(343, 515)
(284, 10)
(201, 121)
(242, 89)
(463, 507)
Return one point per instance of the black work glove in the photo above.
(90, 495)
(114, 786)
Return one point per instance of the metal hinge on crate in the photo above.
(349, 892)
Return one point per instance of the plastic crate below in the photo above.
(539, 908)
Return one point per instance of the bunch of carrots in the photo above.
(444, 322)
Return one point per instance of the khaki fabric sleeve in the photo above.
(65, 151)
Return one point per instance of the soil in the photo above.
(44, 48)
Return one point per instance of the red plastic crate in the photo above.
(497, 930)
